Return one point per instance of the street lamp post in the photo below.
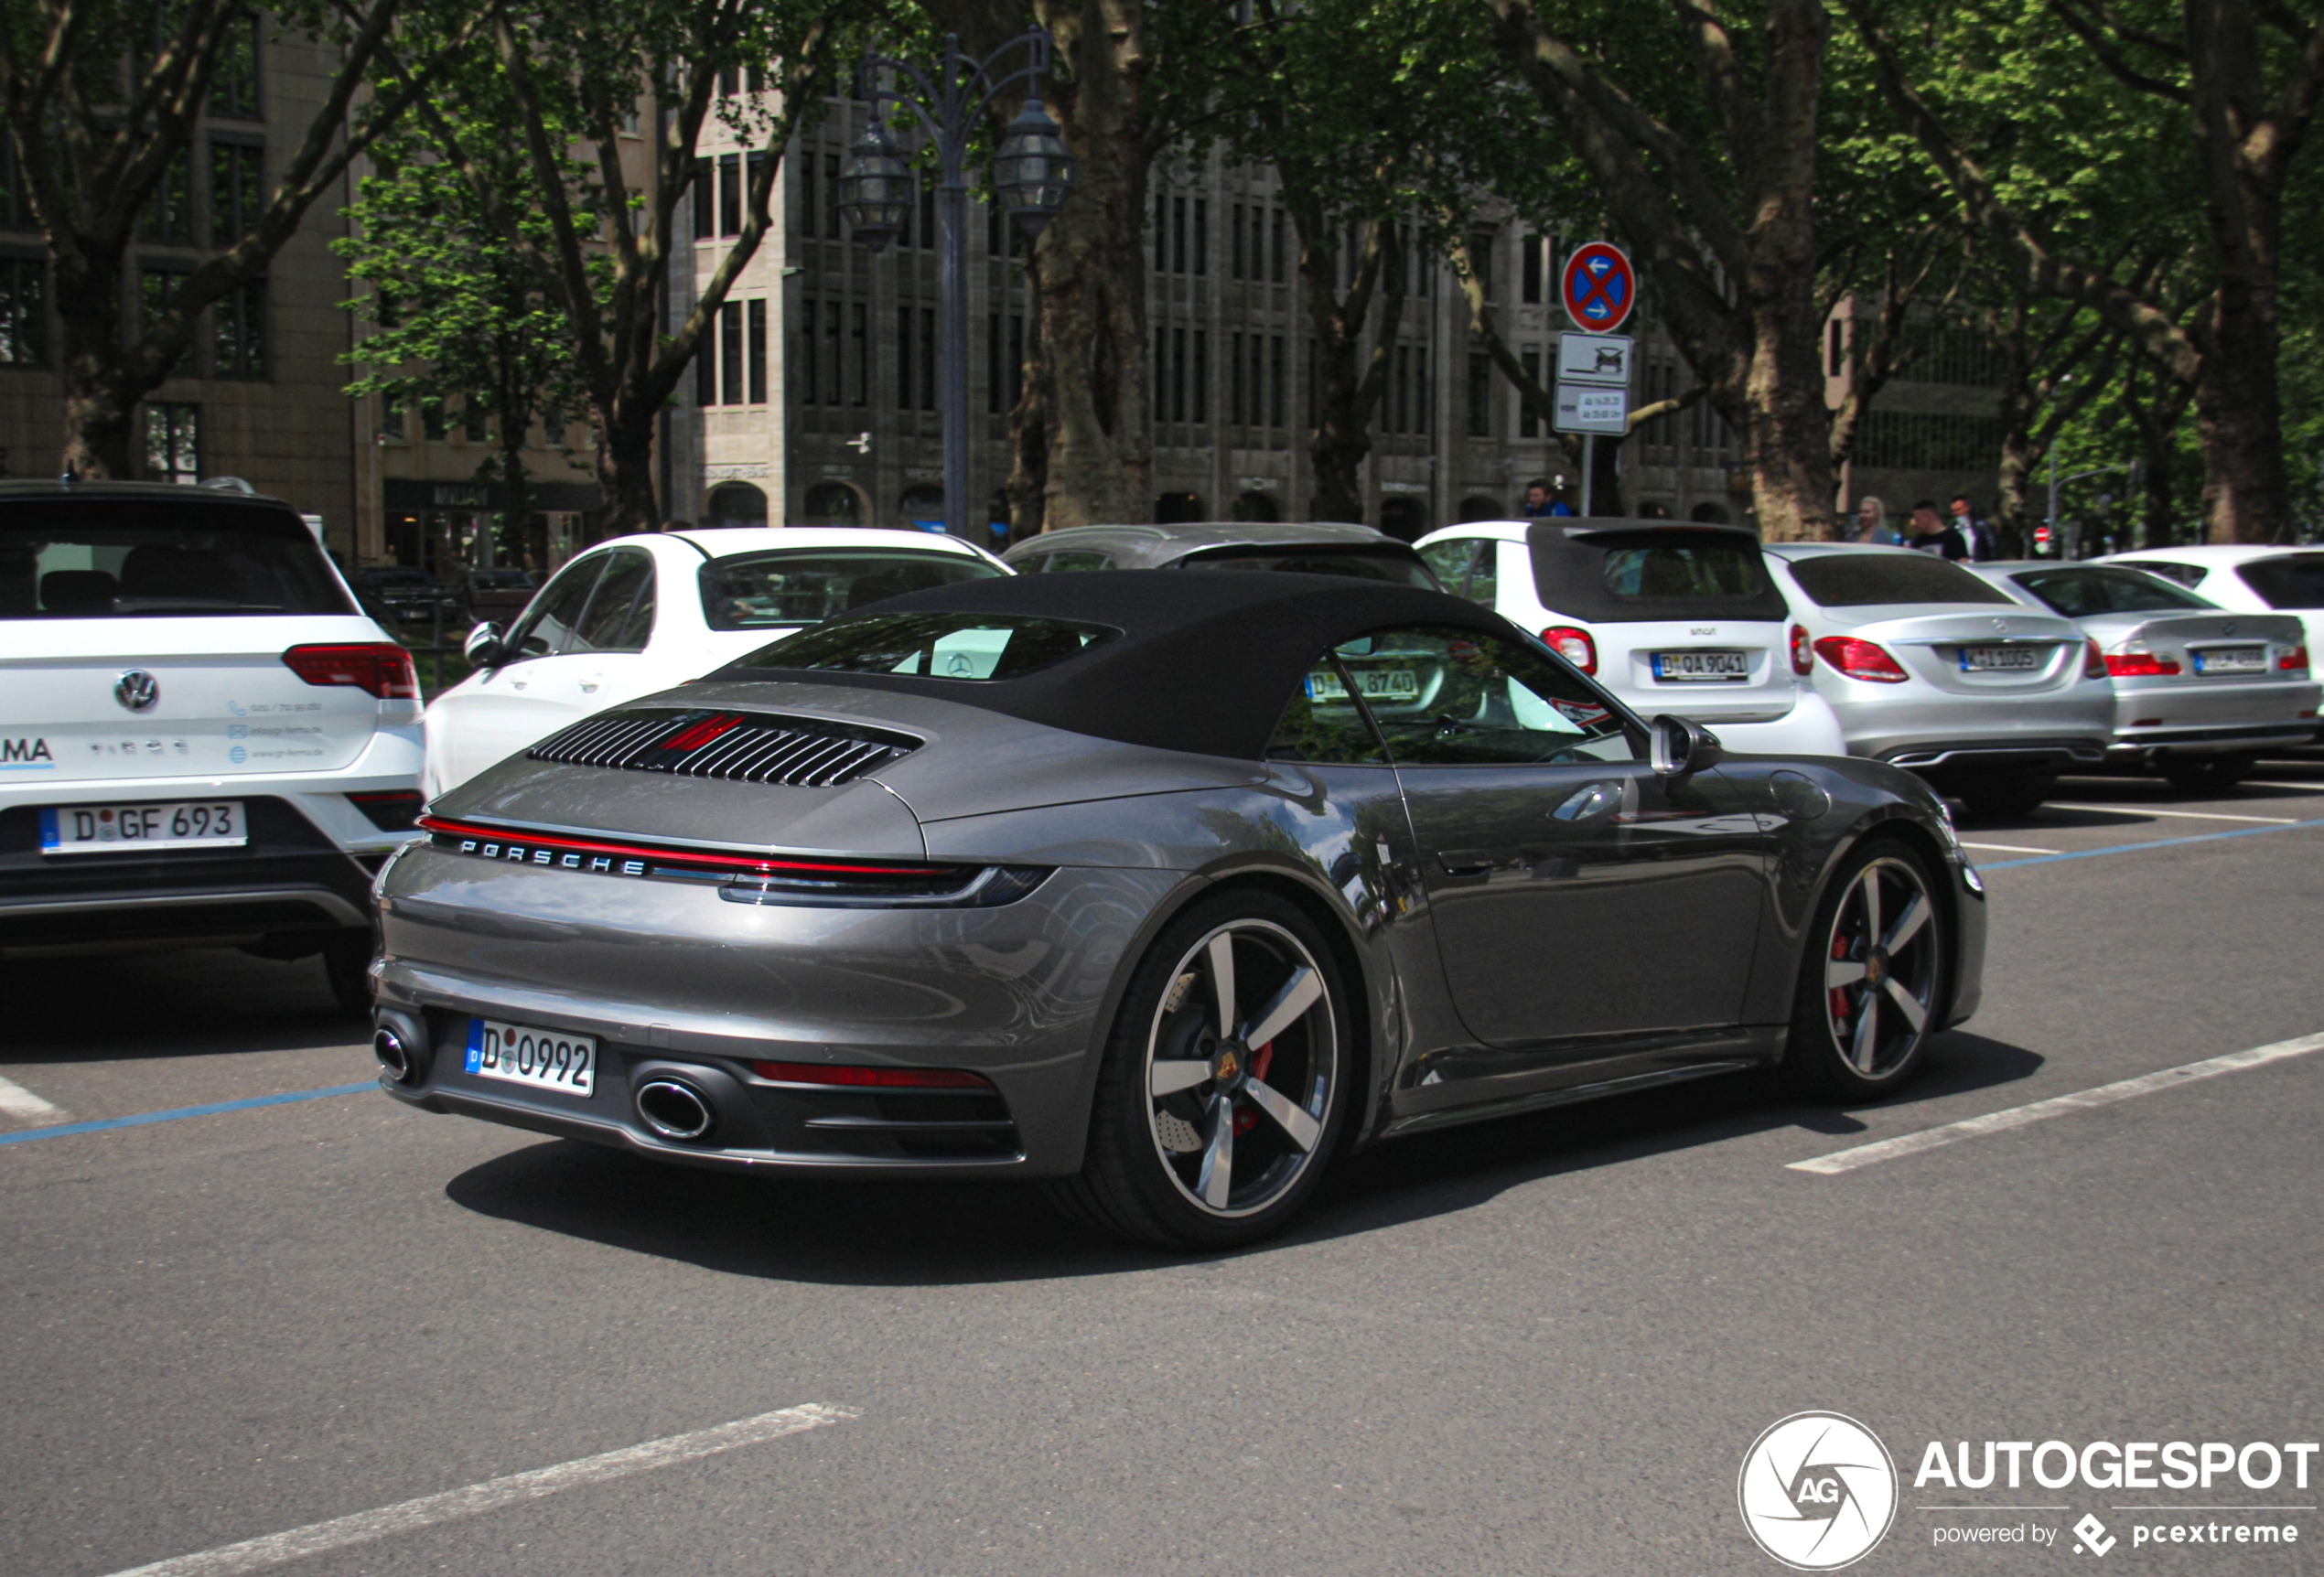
(1033, 173)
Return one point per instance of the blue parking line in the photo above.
(172, 1115)
(2157, 843)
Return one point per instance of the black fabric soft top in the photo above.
(1204, 663)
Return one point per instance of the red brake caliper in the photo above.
(1839, 995)
(1244, 1118)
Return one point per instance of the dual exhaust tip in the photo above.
(672, 1108)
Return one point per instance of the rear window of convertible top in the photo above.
(1869, 580)
(933, 645)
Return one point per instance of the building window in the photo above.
(432, 419)
(1161, 232)
(1927, 441)
(904, 340)
(23, 311)
(806, 194)
(730, 389)
(475, 424)
(1833, 352)
(805, 373)
(1201, 376)
(1480, 256)
(992, 372)
(173, 442)
(706, 367)
(169, 212)
(1234, 245)
(1529, 421)
(233, 192)
(928, 359)
(239, 341)
(861, 334)
(1280, 244)
(754, 349)
(930, 231)
(1234, 375)
(1529, 270)
(1201, 235)
(835, 371)
(703, 200)
(729, 194)
(1177, 235)
(392, 422)
(233, 91)
(1177, 375)
(831, 197)
(157, 287)
(1276, 384)
(1161, 374)
(1480, 396)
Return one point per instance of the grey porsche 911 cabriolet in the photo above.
(1167, 888)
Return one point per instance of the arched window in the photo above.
(834, 504)
(1253, 507)
(736, 504)
(1402, 518)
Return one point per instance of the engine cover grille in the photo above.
(746, 746)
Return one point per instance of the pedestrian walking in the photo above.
(1872, 523)
(1975, 533)
(1932, 535)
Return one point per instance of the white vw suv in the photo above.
(203, 739)
(1671, 616)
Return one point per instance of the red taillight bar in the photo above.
(871, 1077)
(378, 668)
(756, 863)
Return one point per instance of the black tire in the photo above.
(1156, 1170)
(2000, 796)
(1822, 1058)
(347, 965)
(2206, 774)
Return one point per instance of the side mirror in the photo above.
(483, 647)
(1676, 748)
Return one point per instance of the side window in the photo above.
(620, 614)
(1446, 696)
(1322, 724)
(1484, 581)
(546, 627)
(1449, 562)
(2184, 574)
(1066, 562)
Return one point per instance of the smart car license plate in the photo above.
(2001, 659)
(2230, 660)
(1377, 684)
(544, 1058)
(1702, 667)
(120, 828)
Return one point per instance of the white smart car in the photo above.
(204, 740)
(639, 614)
(1671, 616)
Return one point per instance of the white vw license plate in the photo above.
(544, 1058)
(1702, 667)
(2002, 658)
(2230, 660)
(117, 829)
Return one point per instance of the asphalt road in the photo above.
(1540, 1345)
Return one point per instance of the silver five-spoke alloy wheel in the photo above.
(1242, 1065)
(1881, 966)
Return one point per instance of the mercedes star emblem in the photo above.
(137, 690)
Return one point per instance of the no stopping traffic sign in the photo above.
(1599, 286)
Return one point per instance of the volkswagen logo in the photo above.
(137, 690)
(1818, 1490)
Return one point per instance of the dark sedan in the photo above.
(1167, 888)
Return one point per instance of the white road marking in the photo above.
(2006, 848)
(256, 1555)
(2189, 815)
(26, 1107)
(1841, 1161)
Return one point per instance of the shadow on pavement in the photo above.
(196, 1002)
(884, 1233)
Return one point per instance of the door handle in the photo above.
(1465, 861)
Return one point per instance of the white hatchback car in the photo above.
(2246, 577)
(204, 740)
(1671, 616)
(635, 615)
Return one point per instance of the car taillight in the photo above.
(377, 665)
(2094, 662)
(1573, 644)
(1802, 651)
(2294, 660)
(2138, 664)
(1859, 658)
(871, 1077)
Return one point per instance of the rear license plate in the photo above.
(120, 828)
(543, 1059)
(1701, 666)
(2230, 660)
(1376, 683)
(2002, 658)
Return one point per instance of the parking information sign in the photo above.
(1590, 408)
(1599, 286)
